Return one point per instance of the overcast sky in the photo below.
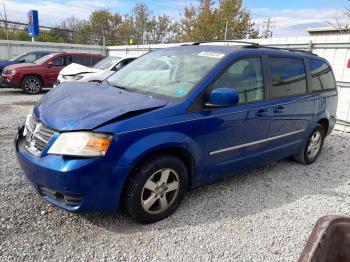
(290, 18)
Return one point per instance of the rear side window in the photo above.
(288, 77)
(82, 60)
(322, 76)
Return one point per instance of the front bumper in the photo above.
(76, 185)
(6, 82)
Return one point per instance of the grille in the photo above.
(68, 200)
(36, 136)
(6, 72)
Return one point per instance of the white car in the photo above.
(97, 73)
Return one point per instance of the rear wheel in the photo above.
(32, 85)
(155, 189)
(313, 147)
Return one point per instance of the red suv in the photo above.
(32, 77)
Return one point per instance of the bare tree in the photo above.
(3, 16)
(340, 22)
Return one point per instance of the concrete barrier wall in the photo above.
(10, 49)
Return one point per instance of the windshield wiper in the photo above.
(120, 87)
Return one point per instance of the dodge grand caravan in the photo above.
(172, 120)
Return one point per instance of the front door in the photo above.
(52, 72)
(237, 136)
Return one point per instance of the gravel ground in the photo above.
(265, 214)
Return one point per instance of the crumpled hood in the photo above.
(79, 106)
(74, 69)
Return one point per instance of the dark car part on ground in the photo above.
(329, 241)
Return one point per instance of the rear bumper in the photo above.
(76, 185)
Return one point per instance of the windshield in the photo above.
(166, 73)
(107, 62)
(44, 58)
(18, 57)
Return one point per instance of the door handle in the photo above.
(261, 113)
(278, 109)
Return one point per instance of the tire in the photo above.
(313, 147)
(155, 189)
(32, 85)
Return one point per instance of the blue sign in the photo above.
(33, 23)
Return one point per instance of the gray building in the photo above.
(329, 30)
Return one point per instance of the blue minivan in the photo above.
(172, 120)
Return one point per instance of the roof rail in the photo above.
(289, 49)
(250, 44)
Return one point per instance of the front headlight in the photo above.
(78, 77)
(82, 144)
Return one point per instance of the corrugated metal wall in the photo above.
(10, 49)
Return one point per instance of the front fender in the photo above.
(153, 142)
(145, 146)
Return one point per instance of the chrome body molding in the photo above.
(254, 142)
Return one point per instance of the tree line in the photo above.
(205, 21)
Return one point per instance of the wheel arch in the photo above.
(324, 122)
(33, 74)
(183, 154)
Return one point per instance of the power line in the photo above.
(268, 28)
(42, 27)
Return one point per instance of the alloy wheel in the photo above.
(32, 86)
(160, 191)
(315, 144)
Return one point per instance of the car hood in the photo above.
(85, 106)
(23, 65)
(74, 69)
(4, 63)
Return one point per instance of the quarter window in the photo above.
(322, 76)
(246, 77)
(288, 77)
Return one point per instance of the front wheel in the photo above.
(32, 85)
(156, 188)
(313, 147)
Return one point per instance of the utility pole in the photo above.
(226, 30)
(269, 26)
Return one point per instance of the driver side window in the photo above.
(59, 61)
(246, 77)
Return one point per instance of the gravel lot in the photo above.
(264, 214)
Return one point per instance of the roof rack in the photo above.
(289, 49)
(250, 44)
(253, 45)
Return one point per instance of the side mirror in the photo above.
(223, 97)
(22, 61)
(49, 64)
